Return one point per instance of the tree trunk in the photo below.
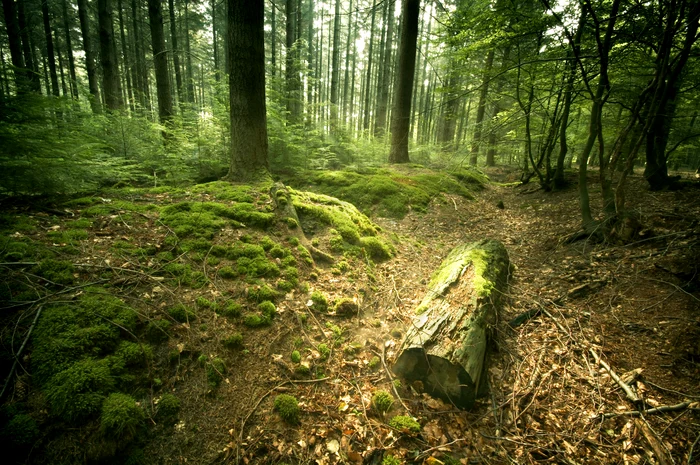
(291, 73)
(176, 52)
(351, 97)
(247, 90)
(401, 115)
(346, 80)
(32, 69)
(368, 78)
(310, 66)
(160, 62)
(446, 344)
(110, 72)
(188, 57)
(481, 109)
(335, 74)
(450, 106)
(215, 35)
(140, 82)
(69, 50)
(89, 57)
(49, 48)
(383, 100)
(13, 35)
(125, 54)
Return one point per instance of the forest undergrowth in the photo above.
(201, 326)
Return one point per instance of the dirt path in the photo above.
(636, 305)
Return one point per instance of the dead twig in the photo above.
(631, 396)
(651, 411)
(19, 352)
(391, 378)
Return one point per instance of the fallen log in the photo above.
(445, 346)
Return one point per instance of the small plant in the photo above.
(291, 223)
(253, 320)
(231, 309)
(168, 408)
(374, 363)
(268, 309)
(288, 408)
(20, 431)
(382, 401)
(397, 383)
(296, 356)
(121, 416)
(279, 252)
(284, 285)
(319, 301)
(324, 351)
(234, 341)
(266, 243)
(405, 424)
(203, 302)
(293, 241)
(390, 460)
(226, 272)
(262, 294)
(182, 314)
(215, 372)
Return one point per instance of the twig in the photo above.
(19, 352)
(661, 409)
(689, 396)
(692, 447)
(660, 450)
(427, 452)
(391, 379)
(625, 387)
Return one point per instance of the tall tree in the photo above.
(384, 82)
(481, 109)
(125, 54)
(12, 25)
(401, 114)
(335, 75)
(50, 57)
(69, 49)
(26, 34)
(89, 57)
(368, 78)
(292, 74)
(188, 57)
(160, 62)
(140, 70)
(110, 70)
(246, 37)
(175, 51)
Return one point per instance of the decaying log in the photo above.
(446, 344)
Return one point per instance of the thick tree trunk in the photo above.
(13, 34)
(89, 57)
(160, 61)
(246, 38)
(401, 115)
(110, 70)
(445, 346)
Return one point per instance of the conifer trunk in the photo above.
(160, 62)
(383, 85)
(176, 52)
(13, 36)
(50, 56)
(95, 101)
(368, 78)
(69, 50)
(110, 71)
(188, 57)
(335, 74)
(481, 109)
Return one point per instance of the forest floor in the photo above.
(635, 305)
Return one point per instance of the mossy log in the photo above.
(445, 346)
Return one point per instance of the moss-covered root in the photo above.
(286, 211)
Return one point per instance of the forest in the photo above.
(367, 232)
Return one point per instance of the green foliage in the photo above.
(296, 356)
(55, 271)
(226, 272)
(324, 351)
(241, 249)
(167, 408)
(374, 363)
(184, 275)
(21, 431)
(133, 353)
(216, 369)
(268, 309)
(231, 309)
(254, 320)
(157, 330)
(391, 460)
(279, 252)
(203, 302)
(234, 341)
(78, 391)
(121, 417)
(266, 243)
(288, 408)
(376, 249)
(182, 314)
(405, 424)
(284, 285)
(320, 301)
(257, 267)
(263, 293)
(382, 401)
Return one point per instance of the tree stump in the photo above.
(445, 346)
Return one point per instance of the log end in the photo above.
(440, 377)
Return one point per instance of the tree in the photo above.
(69, 49)
(22, 74)
(335, 74)
(176, 52)
(401, 114)
(383, 99)
(89, 57)
(110, 69)
(160, 61)
(292, 74)
(246, 38)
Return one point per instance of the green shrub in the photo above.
(382, 401)
(296, 356)
(121, 416)
(182, 313)
(216, 369)
(320, 302)
(78, 392)
(405, 424)
(167, 409)
(234, 341)
(288, 408)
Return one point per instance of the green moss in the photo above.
(288, 261)
(134, 354)
(391, 460)
(218, 251)
(266, 243)
(320, 301)
(21, 431)
(376, 249)
(234, 341)
(279, 252)
(167, 409)
(231, 309)
(157, 330)
(195, 245)
(268, 309)
(78, 391)
(184, 275)
(405, 424)
(203, 302)
(257, 267)
(216, 370)
(291, 223)
(284, 285)
(293, 241)
(305, 255)
(374, 363)
(222, 190)
(382, 401)
(324, 351)
(121, 417)
(241, 249)
(55, 271)
(226, 272)
(288, 408)
(296, 356)
(182, 314)
(254, 320)
(263, 293)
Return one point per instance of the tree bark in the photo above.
(175, 52)
(401, 115)
(50, 56)
(446, 344)
(346, 80)
(481, 109)
(160, 62)
(32, 69)
(368, 78)
(246, 36)
(188, 58)
(383, 100)
(110, 71)
(13, 35)
(291, 73)
(125, 54)
(89, 58)
(69, 50)
(335, 74)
